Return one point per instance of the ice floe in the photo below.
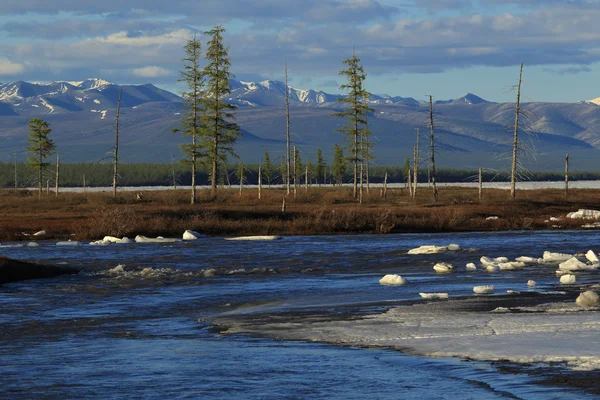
(191, 235)
(574, 264)
(40, 233)
(471, 267)
(68, 243)
(555, 257)
(392, 280)
(434, 295)
(443, 268)
(159, 239)
(568, 279)
(591, 256)
(531, 283)
(483, 289)
(588, 299)
(584, 214)
(263, 237)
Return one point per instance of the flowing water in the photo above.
(136, 322)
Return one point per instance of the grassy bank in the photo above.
(323, 210)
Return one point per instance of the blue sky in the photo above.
(409, 48)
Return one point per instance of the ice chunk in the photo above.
(392, 279)
(531, 283)
(527, 260)
(264, 237)
(591, 256)
(159, 239)
(434, 295)
(568, 279)
(486, 261)
(501, 259)
(100, 243)
(68, 243)
(556, 257)
(513, 291)
(572, 264)
(119, 269)
(191, 235)
(428, 249)
(492, 218)
(443, 268)
(584, 214)
(210, 272)
(491, 268)
(588, 299)
(111, 239)
(554, 219)
(40, 233)
(453, 247)
(32, 244)
(483, 289)
(125, 240)
(471, 267)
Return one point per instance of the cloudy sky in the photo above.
(408, 47)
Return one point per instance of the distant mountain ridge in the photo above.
(471, 131)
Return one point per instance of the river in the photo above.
(138, 321)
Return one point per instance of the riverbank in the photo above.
(316, 210)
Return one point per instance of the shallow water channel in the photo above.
(143, 330)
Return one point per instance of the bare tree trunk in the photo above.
(385, 186)
(287, 133)
(409, 183)
(40, 170)
(173, 173)
(16, 181)
(295, 173)
(57, 172)
(116, 149)
(480, 184)
(360, 192)
(283, 205)
(367, 154)
(567, 175)
(513, 173)
(306, 180)
(416, 163)
(84, 188)
(241, 178)
(432, 149)
(259, 182)
(47, 187)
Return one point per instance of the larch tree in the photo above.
(40, 147)
(267, 169)
(355, 112)
(191, 123)
(219, 132)
(339, 164)
(320, 168)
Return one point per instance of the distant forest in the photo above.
(146, 174)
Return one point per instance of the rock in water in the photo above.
(588, 299)
(15, 270)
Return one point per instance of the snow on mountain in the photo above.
(594, 101)
(24, 98)
(468, 99)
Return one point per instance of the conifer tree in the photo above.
(190, 123)
(41, 147)
(356, 112)
(219, 133)
(339, 164)
(267, 169)
(321, 167)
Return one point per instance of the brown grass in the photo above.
(323, 210)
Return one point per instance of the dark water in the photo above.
(143, 330)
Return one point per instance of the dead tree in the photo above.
(432, 149)
(416, 164)
(259, 182)
(513, 173)
(116, 149)
(480, 183)
(287, 135)
(567, 175)
(57, 172)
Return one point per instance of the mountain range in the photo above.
(470, 131)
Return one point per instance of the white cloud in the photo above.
(151, 72)
(8, 67)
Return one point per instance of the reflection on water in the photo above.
(142, 330)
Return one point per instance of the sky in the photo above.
(409, 48)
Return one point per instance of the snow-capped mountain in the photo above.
(594, 101)
(272, 93)
(468, 99)
(93, 95)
